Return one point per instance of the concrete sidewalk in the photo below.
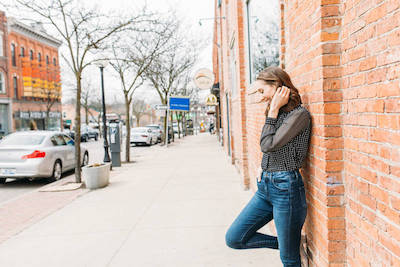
(171, 207)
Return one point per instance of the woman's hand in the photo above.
(280, 98)
(259, 173)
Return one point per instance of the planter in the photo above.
(96, 175)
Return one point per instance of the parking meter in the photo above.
(115, 144)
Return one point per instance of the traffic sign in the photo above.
(160, 107)
(179, 103)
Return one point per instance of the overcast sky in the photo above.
(190, 10)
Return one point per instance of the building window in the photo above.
(13, 59)
(15, 84)
(31, 54)
(54, 61)
(1, 45)
(263, 20)
(233, 71)
(2, 83)
(22, 51)
(39, 56)
(47, 60)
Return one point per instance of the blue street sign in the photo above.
(179, 103)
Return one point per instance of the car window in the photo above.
(22, 140)
(68, 140)
(58, 140)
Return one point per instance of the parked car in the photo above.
(37, 154)
(175, 127)
(157, 129)
(91, 132)
(87, 133)
(143, 135)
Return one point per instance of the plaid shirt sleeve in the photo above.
(273, 138)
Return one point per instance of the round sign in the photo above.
(204, 79)
(211, 100)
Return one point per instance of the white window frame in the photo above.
(1, 45)
(251, 70)
(3, 83)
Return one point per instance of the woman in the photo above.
(280, 196)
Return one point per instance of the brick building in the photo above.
(34, 75)
(5, 101)
(344, 57)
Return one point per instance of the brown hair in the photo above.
(277, 76)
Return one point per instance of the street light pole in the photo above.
(106, 155)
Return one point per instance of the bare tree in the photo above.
(169, 69)
(138, 110)
(182, 89)
(87, 97)
(132, 59)
(50, 97)
(84, 31)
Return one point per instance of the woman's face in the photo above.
(265, 91)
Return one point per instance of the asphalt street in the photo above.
(15, 188)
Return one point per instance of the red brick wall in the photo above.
(28, 44)
(370, 119)
(344, 57)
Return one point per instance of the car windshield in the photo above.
(22, 140)
(152, 127)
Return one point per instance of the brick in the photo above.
(379, 194)
(330, 60)
(329, 36)
(368, 175)
(329, 11)
(375, 14)
(377, 75)
(368, 63)
(335, 212)
(388, 121)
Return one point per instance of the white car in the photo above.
(143, 135)
(157, 130)
(36, 154)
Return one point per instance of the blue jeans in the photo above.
(280, 196)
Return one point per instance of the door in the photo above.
(70, 151)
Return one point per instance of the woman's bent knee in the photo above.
(232, 241)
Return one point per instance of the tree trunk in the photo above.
(47, 119)
(165, 121)
(178, 119)
(86, 113)
(128, 130)
(184, 124)
(172, 121)
(78, 129)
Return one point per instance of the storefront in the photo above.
(5, 122)
(37, 120)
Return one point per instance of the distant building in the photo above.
(68, 116)
(34, 76)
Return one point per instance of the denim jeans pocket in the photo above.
(281, 182)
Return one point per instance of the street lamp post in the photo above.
(106, 154)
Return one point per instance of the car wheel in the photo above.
(85, 160)
(96, 137)
(57, 171)
(3, 180)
